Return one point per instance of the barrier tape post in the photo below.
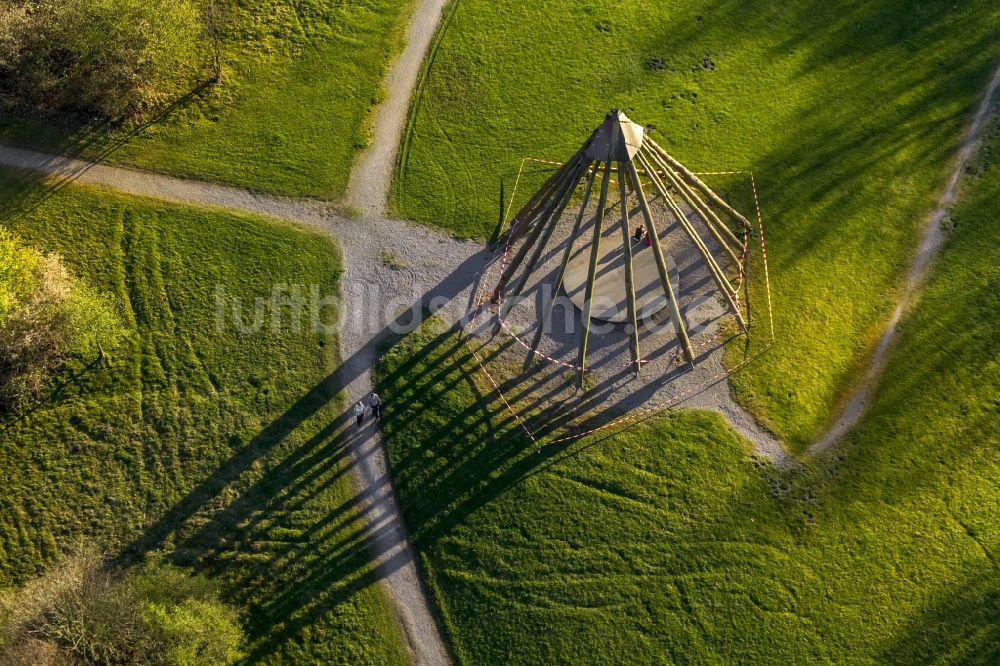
(763, 254)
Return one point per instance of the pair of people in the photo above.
(376, 405)
(641, 236)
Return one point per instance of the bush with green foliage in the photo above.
(46, 316)
(85, 611)
(17, 266)
(110, 58)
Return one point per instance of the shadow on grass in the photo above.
(961, 627)
(459, 456)
(274, 523)
(271, 521)
(12, 417)
(93, 141)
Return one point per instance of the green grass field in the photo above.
(218, 448)
(848, 115)
(301, 80)
(666, 543)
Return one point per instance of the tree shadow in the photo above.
(88, 141)
(11, 416)
(960, 627)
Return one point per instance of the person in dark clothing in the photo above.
(376, 403)
(640, 231)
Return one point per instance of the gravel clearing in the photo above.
(611, 382)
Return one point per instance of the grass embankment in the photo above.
(665, 543)
(847, 114)
(218, 448)
(291, 113)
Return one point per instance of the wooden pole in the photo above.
(499, 232)
(537, 244)
(661, 266)
(561, 274)
(694, 180)
(595, 251)
(629, 277)
(535, 231)
(522, 219)
(550, 182)
(690, 231)
(720, 279)
(567, 194)
(699, 207)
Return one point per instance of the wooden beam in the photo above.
(694, 180)
(561, 274)
(567, 194)
(511, 268)
(530, 209)
(717, 272)
(541, 198)
(538, 245)
(629, 277)
(546, 187)
(595, 250)
(661, 266)
(700, 208)
(720, 279)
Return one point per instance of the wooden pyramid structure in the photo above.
(620, 150)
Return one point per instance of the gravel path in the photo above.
(930, 245)
(372, 174)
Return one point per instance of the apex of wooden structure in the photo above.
(625, 135)
(620, 149)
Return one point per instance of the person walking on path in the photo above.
(376, 403)
(359, 412)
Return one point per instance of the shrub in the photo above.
(17, 269)
(45, 317)
(110, 58)
(186, 620)
(83, 611)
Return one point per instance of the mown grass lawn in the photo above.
(847, 114)
(301, 79)
(666, 543)
(217, 448)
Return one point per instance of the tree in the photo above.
(17, 270)
(46, 316)
(110, 58)
(85, 611)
